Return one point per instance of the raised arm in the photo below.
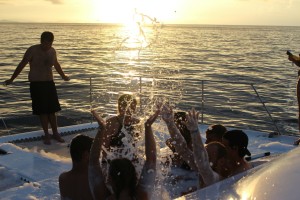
(200, 154)
(111, 129)
(147, 179)
(180, 143)
(96, 178)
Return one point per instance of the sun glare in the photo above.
(124, 11)
(141, 21)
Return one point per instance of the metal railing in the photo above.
(184, 93)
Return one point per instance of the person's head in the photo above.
(215, 133)
(217, 157)
(122, 175)
(126, 104)
(47, 39)
(236, 142)
(179, 119)
(80, 148)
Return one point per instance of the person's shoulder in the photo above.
(113, 119)
(64, 176)
(53, 49)
(112, 122)
(34, 46)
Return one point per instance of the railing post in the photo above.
(5, 125)
(91, 99)
(263, 103)
(140, 94)
(202, 101)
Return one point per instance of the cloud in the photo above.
(56, 1)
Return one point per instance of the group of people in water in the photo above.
(104, 177)
(98, 177)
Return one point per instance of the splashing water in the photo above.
(141, 33)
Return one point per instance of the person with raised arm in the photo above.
(199, 158)
(122, 127)
(122, 174)
(202, 161)
(41, 58)
(296, 61)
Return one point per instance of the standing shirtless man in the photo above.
(41, 58)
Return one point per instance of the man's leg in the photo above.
(44, 121)
(53, 123)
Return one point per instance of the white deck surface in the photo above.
(31, 169)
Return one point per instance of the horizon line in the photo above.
(120, 24)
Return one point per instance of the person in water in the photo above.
(41, 58)
(200, 159)
(296, 61)
(122, 127)
(74, 184)
(122, 176)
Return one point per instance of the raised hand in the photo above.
(192, 120)
(153, 117)
(167, 114)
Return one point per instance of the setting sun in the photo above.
(116, 11)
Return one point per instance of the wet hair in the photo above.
(124, 101)
(239, 139)
(179, 117)
(217, 130)
(47, 36)
(123, 175)
(79, 145)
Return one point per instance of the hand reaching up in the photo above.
(192, 120)
(153, 117)
(167, 114)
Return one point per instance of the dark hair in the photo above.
(79, 145)
(123, 174)
(180, 117)
(47, 36)
(217, 130)
(239, 139)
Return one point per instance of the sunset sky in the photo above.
(227, 12)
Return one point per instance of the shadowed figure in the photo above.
(74, 184)
(41, 58)
(122, 174)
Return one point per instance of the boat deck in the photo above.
(31, 161)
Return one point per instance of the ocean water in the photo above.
(216, 69)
